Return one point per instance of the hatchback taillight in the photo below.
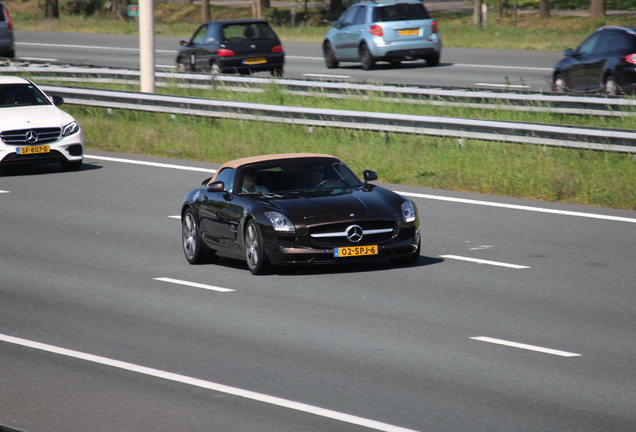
(376, 30)
(7, 17)
(224, 52)
(630, 58)
(434, 27)
(277, 48)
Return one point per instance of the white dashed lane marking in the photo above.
(193, 284)
(525, 346)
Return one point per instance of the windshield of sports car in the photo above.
(12, 95)
(296, 176)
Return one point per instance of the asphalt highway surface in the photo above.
(518, 316)
(485, 69)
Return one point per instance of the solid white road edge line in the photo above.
(519, 207)
(90, 47)
(193, 284)
(153, 164)
(4, 191)
(247, 394)
(525, 346)
(415, 195)
(481, 261)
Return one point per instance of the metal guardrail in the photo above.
(565, 104)
(547, 135)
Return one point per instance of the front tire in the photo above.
(196, 252)
(330, 56)
(558, 84)
(257, 260)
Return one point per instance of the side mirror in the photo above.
(569, 52)
(183, 43)
(217, 186)
(57, 100)
(369, 176)
(337, 24)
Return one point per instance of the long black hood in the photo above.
(320, 207)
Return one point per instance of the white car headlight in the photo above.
(409, 212)
(70, 128)
(280, 222)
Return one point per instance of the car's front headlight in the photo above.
(70, 128)
(409, 212)
(280, 222)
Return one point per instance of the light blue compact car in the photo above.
(390, 31)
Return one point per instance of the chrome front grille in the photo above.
(33, 136)
(335, 235)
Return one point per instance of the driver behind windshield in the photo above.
(249, 183)
(313, 176)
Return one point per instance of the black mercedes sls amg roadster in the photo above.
(299, 208)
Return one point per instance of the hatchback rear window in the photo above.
(247, 32)
(400, 12)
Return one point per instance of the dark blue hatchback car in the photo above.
(604, 62)
(232, 46)
(7, 45)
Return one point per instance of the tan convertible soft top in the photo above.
(263, 158)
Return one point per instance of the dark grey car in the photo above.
(604, 62)
(7, 45)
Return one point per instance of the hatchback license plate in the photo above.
(257, 60)
(33, 149)
(408, 32)
(351, 251)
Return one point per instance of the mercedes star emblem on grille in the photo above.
(354, 233)
(31, 137)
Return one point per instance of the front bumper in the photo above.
(285, 250)
(68, 149)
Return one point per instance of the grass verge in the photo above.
(524, 171)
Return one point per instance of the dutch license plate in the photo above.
(352, 251)
(408, 32)
(257, 60)
(33, 149)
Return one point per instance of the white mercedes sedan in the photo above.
(33, 129)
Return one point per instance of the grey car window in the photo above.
(360, 16)
(227, 177)
(589, 46)
(347, 17)
(400, 12)
(199, 36)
